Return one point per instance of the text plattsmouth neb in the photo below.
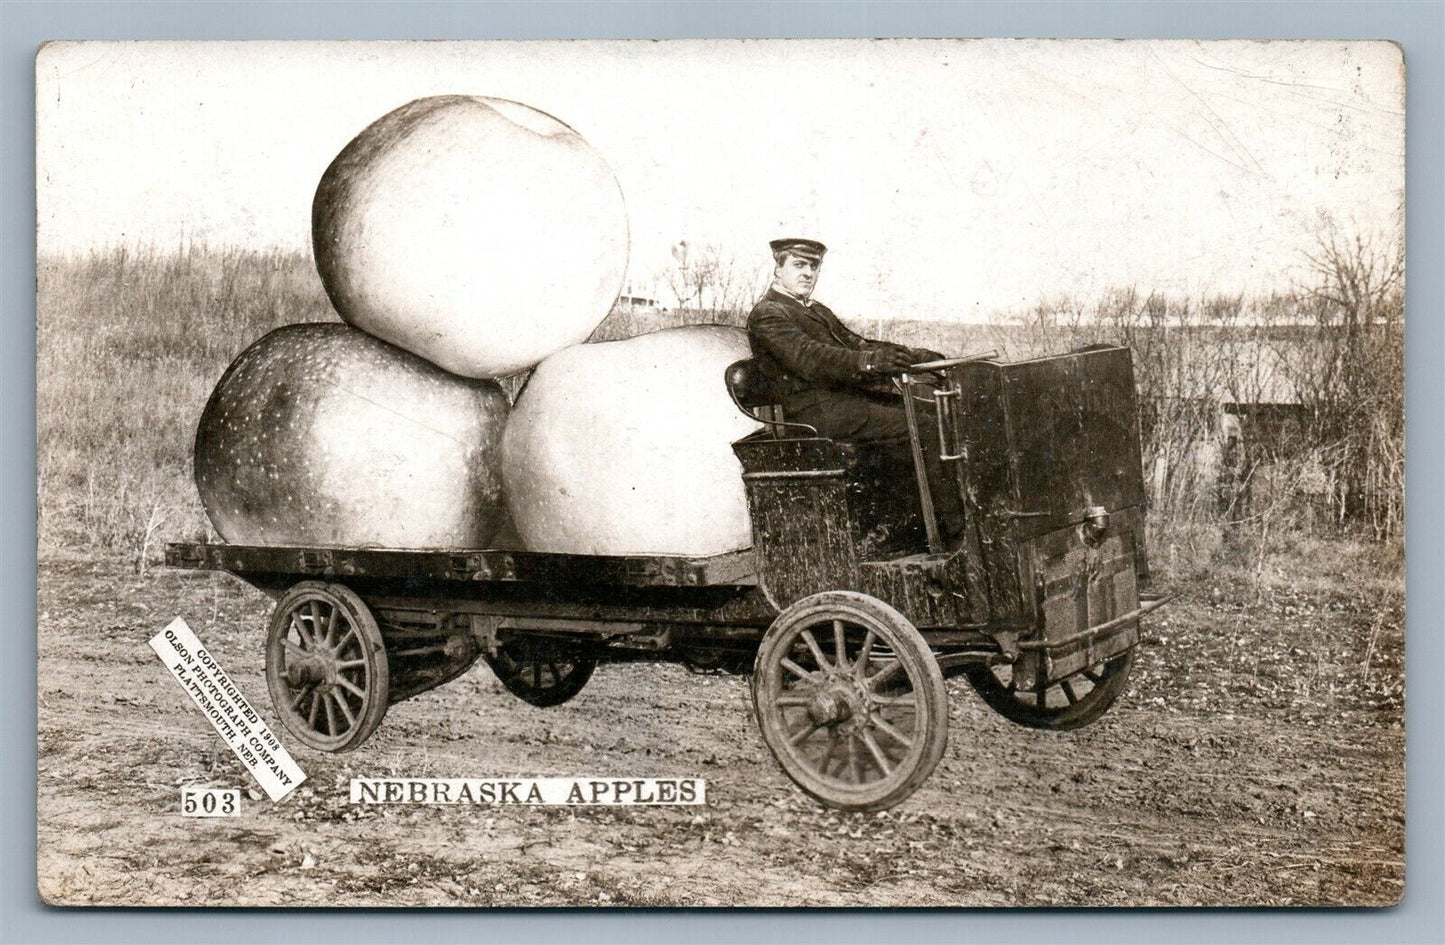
(221, 702)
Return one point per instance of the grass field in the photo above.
(131, 343)
(129, 347)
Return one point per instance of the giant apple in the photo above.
(479, 233)
(623, 447)
(322, 435)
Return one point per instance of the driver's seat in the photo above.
(756, 397)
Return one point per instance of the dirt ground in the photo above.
(1256, 758)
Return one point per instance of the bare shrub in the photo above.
(1351, 379)
(1253, 410)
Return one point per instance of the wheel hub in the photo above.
(828, 707)
(315, 670)
(839, 702)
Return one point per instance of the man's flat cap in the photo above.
(808, 249)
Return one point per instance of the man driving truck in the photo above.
(835, 380)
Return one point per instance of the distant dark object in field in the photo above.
(323, 435)
(478, 233)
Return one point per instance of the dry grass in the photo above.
(130, 345)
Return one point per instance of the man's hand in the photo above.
(889, 360)
(924, 355)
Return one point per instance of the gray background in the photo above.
(1420, 27)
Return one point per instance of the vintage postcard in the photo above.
(721, 473)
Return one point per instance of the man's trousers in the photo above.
(879, 420)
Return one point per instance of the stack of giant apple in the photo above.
(462, 240)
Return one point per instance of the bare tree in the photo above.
(683, 277)
(1351, 374)
(706, 280)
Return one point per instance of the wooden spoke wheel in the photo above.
(540, 672)
(326, 666)
(850, 700)
(1068, 704)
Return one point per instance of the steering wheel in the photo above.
(928, 366)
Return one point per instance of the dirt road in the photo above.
(1257, 757)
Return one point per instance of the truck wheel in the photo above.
(326, 666)
(850, 700)
(1068, 704)
(539, 673)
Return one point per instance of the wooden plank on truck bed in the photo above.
(733, 568)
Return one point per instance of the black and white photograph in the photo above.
(721, 473)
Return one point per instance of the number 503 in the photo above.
(210, 802)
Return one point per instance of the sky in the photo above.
(951, 179)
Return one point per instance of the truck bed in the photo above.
(733, 569)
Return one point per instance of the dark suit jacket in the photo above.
(807, 355)
(816, 366)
